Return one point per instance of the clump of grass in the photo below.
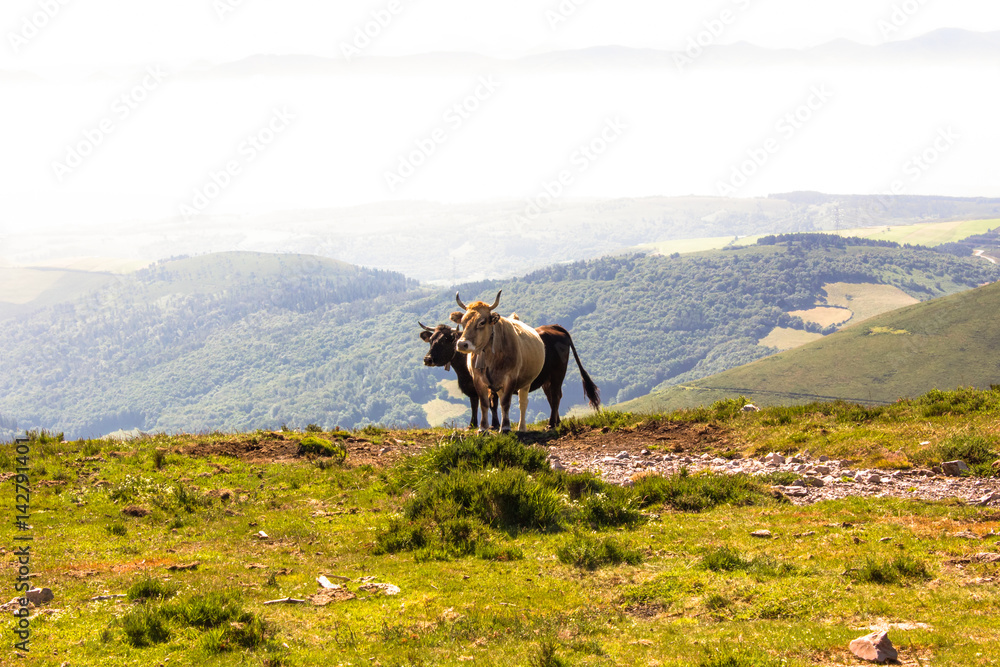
(547, 655)
(696, 493)
(727, 559)
(149, 588)
(507, 499)
(614, 507)
(741, 656)
(611, 420)
(779, 477)
(159, 457)
(962, 401)
(591, 553)
(891, 571)
(145, 626)
(316, 446)
(976, 450)
(574, 485)
(116, 528)
(441, 533)
(660, 592)
(371, 430)
(250, 633)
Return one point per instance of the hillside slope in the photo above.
(240, 341)
(940, 344)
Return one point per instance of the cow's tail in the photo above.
(590, 389)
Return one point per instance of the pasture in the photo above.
(500, 560)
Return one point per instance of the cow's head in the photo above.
(477, 324)
(442, 339)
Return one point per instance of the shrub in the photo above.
(315, 446)
(964, 400)
(695, 493)
(892, 571)
(148, 588)
(975, 450)
(727, 559)
(574, 485)
(614, 507)
(546, 655)
(589, 553)
(507, 499)
(144, 626)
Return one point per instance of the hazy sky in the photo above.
(129, 32)
(102, 120)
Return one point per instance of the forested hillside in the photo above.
(242, 341)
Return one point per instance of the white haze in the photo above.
(677, 130)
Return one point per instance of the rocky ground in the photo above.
(821, 479)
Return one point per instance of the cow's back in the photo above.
(530, 350)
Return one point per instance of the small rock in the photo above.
(774, 458)
(886, 539)
(824, 458)
(955, 468)
(875, 647)
(874, 478)
(187, 566)
(645, 452)
(622, 455)
(987, 499)
(762, 533)
(384, 589)
(750, 407)
(37, 596)
(822, 470)
(815, 482)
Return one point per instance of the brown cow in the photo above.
(558, 345)
(505, 356)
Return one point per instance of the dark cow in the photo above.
(558, 345)
(442, 339)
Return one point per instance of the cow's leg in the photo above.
(474, 404)
(553, 392)
(484, 400)
(522, 403)
(505, 398)
(493, 411)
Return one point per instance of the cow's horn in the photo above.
(497, 302)
(424, 326)
(459, 301)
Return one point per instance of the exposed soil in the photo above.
(653, 447)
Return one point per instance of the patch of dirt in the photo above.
(277, 447)
(663, 436)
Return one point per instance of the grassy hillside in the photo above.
(241, 341)
(436, 563)
(940, 344)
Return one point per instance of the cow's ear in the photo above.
(425, 336)
(494, 318)
(456, 317)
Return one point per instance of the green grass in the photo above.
(489, 582)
